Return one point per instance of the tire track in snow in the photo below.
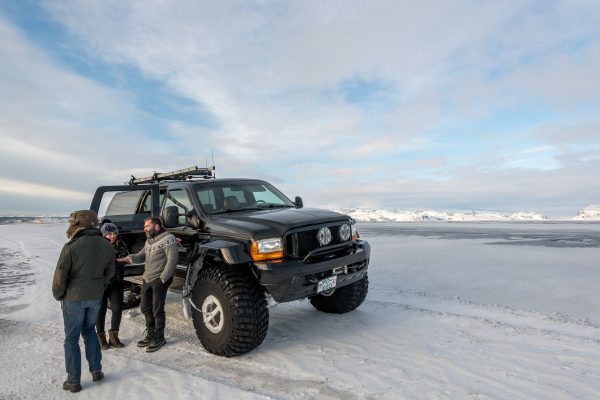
(237, 372)
(472, 327)
(544, 323)
(15, 276)
(521, 354)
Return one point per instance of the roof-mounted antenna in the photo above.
(212, 152)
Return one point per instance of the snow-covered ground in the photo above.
(454, 311)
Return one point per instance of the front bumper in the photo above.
(293, 280)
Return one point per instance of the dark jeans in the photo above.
(153, 302)
(79, 318)
(114, 294)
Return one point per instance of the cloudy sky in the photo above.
(468, 105)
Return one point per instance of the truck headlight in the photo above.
(266, 249)
(345, 232)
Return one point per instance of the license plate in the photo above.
(326, 284)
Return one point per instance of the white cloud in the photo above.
(40, 191)
(580, 132)
(539, 149)
(46, 110)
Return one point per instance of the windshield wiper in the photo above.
(229, 210)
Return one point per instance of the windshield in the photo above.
(226, 197)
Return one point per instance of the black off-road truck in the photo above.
(243, 244)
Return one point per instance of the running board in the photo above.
(176, 285)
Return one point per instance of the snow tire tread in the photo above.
(344, 299)
(245, 309)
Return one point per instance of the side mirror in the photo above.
(170, 216)
(298, 202)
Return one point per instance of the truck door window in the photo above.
(180, 199)
(146, 207)
(209, 199)
(124, 203)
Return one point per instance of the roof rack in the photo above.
(190, 173)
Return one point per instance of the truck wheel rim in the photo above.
(212, 314)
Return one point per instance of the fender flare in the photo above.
(230, 252)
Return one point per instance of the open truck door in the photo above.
(128, 206)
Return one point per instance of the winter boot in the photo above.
(113, 339)
(158, 341)
(148, 335)
(103, 344)
(72, 387)
(97, 375)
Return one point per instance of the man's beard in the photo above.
(150, 235)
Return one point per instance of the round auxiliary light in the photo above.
(345, 232)
(324, 236)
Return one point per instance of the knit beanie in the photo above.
(82, 219)
(108, 227)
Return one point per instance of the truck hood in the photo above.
(270, 223)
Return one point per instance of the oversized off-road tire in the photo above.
(344, 299)
(229, 310)
(131, 299)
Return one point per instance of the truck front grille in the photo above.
(301, 242)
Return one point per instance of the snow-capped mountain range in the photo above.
(33, 220)
(362, 214)
(589, 213)
(386, 215)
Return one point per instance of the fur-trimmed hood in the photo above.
(80, 220)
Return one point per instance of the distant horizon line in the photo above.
(589, 210)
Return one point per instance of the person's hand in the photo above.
(126, 259)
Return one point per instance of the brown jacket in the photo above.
(85, 266)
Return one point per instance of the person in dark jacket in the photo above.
(113, 292)
(85, 266)
(160, 255)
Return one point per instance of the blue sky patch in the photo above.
(362, 91)
(152, 97)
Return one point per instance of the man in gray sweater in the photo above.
(84, 268)
(160, 255)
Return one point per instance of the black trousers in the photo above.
(153, 303)
(114, 294)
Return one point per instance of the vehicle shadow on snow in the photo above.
(299, 324)
(296, 325)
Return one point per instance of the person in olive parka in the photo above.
(85, 267)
